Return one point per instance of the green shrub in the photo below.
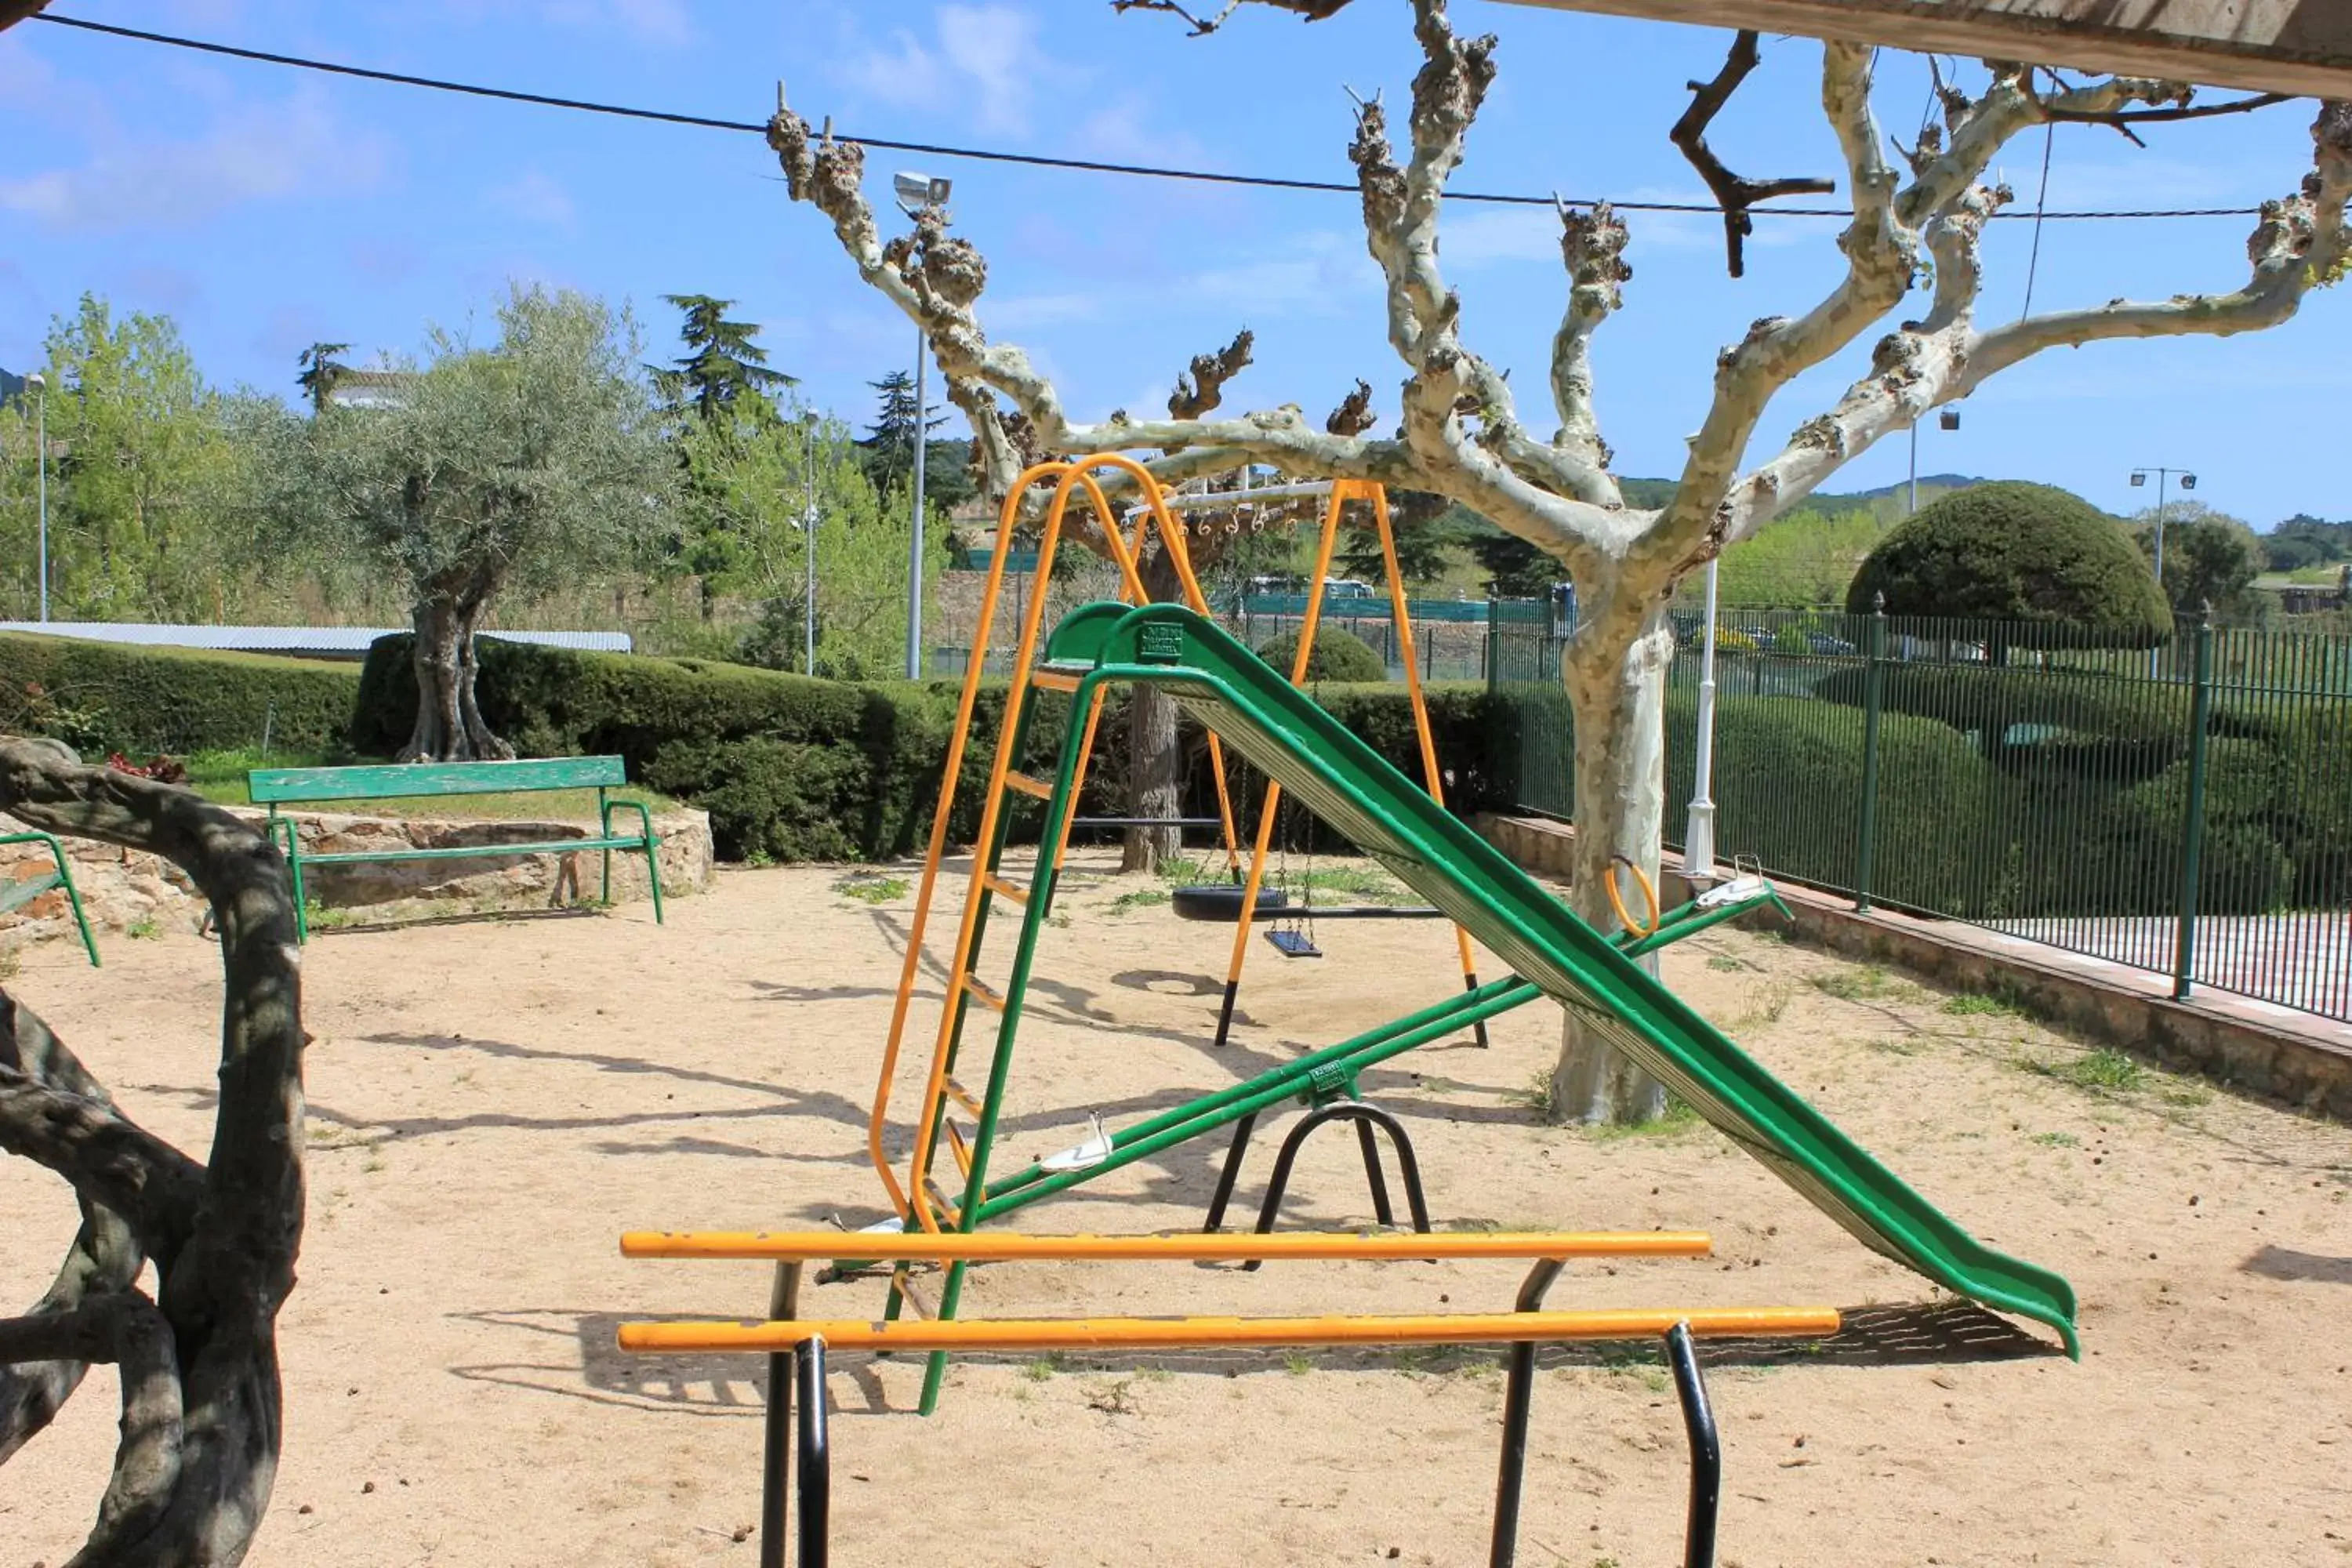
(107, 697)
(1339, 655)
(2017, 552)
(1788, 789)
(791, 768)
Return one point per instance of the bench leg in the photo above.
(292, 849)
(73, 899)
(653, 874)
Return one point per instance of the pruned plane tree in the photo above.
(1913, 275)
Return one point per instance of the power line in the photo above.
(996, 155)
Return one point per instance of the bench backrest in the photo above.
(266, 785)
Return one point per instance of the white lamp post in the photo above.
(808, 542)
(2139, 478)
(916, 192)
(38, 385)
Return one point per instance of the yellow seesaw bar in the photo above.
(928, 1247)
(1199, 1333)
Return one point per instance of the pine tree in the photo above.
(888, 449)
(321, 370)
(721, 365)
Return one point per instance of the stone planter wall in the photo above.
(123, 890)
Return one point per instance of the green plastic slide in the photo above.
(1256, 713)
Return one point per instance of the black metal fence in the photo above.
(2184, 809)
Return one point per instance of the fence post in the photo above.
(2192, 839)
(1871, 680)
(1494, 643)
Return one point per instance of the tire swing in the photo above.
(1221, 902)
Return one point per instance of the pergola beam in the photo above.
(2300, 46)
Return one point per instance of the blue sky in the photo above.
(267, 208)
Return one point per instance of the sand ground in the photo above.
(492, 1103)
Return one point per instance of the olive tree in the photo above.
(1912, 274)
(196, 1357)
(512, 465)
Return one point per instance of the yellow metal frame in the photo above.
(1192, 1247)
(1343, 491)
(1194, 1333)
(913, 1200)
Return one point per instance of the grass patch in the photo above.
(1970, 1005)
(1767, 1010)
(1297, 1364)
(1141, 898)
(144, 928)
(2105, 1069)
(1676, 1120)
(1724, 963)
(872, 890)
(2057, 1140)
(1868, 984)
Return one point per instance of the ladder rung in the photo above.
(960, 1149)
(1003, 888)
(1045, 677)
(963, 1097)
(1027, 785)
(985, 992)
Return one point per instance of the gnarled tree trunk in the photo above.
(449, 726)
(1155, 751)
(201, 1408)
(1615, 674)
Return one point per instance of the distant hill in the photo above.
(10, 386)
(1828, 503)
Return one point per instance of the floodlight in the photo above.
(36, 382)
(1949, 419)
(916, 192)
(2188, 481)
(2139, 479)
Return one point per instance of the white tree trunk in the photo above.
(1616, 690)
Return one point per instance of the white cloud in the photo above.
(534, 197)
(1312, 276)
(262, 151)
(1485, 236)
(981, 56)
(1027, 312)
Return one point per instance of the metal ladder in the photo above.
(919, 1198)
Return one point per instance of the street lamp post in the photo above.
(2163, 476)
(1950, 419)
(916, 193)
(808, 542)
(38, 385)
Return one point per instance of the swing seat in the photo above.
(1294, 944)
(1221, 902)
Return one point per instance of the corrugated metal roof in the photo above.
(347, 642)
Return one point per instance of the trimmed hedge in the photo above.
(791, 768)
(1788, 789)
(2013, 552)
(109, 697)
(1340, 656)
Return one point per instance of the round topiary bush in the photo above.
(1339, 655)
(2017, 552)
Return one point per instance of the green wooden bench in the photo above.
(288, 786)
(16, 895)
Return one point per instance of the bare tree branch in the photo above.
(1354, 415)
(1593, 246)
(1732, 193)
(1307, 11)
(1203, 388)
